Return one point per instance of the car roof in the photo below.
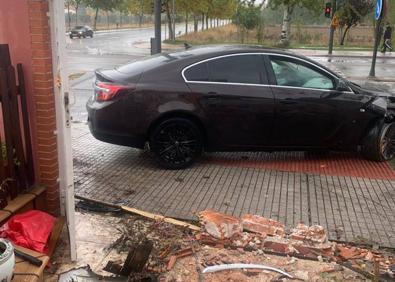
(213, 50)
(210, 51)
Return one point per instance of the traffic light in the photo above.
(328, 10)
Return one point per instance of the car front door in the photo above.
(234, 94)
(310, 112)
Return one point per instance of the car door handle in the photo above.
(288, 102)
(212, 95)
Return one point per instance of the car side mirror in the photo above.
(342, 86)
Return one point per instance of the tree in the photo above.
(104, 5)
(351, 13)
(289, 7)
(248, 17)
(140, 7)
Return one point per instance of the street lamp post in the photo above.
(156, 43)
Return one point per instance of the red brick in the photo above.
(312, 234)
(278, 246)
(44, 99)
(262, 225)
(40, 30)
(220, 226)
(42, 69)
(48, 155)
(40, 5)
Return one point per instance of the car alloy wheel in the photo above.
(176, 143)
(387, 142)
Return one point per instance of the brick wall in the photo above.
(44, 102)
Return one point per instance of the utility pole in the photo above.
(156, 43)
(381, 7)
(333, 28)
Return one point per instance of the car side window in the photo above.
(198, 72)
(237, 69)
(293, 73)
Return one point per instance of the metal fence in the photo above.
(16, 161)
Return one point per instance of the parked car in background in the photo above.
(237, 98)
(81, 32)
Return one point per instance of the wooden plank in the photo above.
(25, 271)
(161, 218)
(55, 235)
(16, 130)
(26, 124)
(5, 58)
(144, 214)
(7, 130)
(19, 202)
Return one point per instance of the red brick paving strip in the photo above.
(335, 164)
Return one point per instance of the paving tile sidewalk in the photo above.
(354, 209)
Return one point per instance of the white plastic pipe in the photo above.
(223, 267)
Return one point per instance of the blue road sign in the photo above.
(379, 9)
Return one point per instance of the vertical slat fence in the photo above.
(16, 158)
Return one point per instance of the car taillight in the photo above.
(108, 91)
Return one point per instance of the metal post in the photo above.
(332, 32)
(157, 48)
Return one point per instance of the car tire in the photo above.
(176, 143)
(379, 145)
(71, 37)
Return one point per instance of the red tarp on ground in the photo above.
(30, 230)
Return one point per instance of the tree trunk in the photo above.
(202, 21)
(344, 35)
(95, 20)
(76, 15)
(186, 22)
(141, 13)
(286, 26)
(195, 24)
(108, 20)
(169, 22)
(207, 20)
(68, 15)
(120, 19)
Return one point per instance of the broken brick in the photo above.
(277, 246)
(262, 225)
(312, 234)
(220, 226)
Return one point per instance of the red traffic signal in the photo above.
(328, 10)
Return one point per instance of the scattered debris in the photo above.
(223, 267)
(181, 253)
(96, 207)
(135, 262)
(84, 274)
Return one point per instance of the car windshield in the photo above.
(79, 27)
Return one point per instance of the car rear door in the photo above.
(307, 104)
(235, 97)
